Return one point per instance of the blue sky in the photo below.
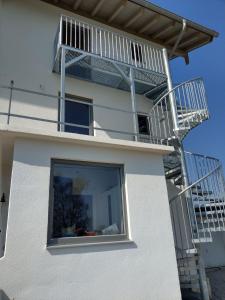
(207, 62)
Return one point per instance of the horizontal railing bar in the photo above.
(65, 123)
(193, 184)
(150, 137)
(177, 86)
(68, 99)
(202, 155)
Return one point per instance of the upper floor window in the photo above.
(136, 53)
(143, 124)
(86, 202)
(78, 113)
(76, 36)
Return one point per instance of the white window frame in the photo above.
(123, 237)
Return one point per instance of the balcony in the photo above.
(104, 56)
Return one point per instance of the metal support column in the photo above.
(62, 89)
(203, 278)
(133, 101)
(170, 87)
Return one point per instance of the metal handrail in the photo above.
(175, 87)
(151, 139)
(193, 184)
(190, 104)
(201, 205)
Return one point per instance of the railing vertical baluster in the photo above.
(71, 30)
(88, 37)
(116, 48)
(145, 56)
(128, 51)
(75, 34)
(113, 48)
(66, 33)
(124, 56)
(109, 46)
(60, 30)
(100, 37)
(120, 49)
(97, 51)
(105, 47)
(84, 37)
(79, 41)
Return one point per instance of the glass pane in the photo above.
(77, 113)
(143, 124)
(87, 200)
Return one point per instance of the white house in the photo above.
(98, 198)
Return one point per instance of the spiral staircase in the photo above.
(196, 185)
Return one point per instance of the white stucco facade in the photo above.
(137, 269)
(141, 267)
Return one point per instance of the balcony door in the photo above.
(78, 115)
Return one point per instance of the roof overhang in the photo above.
(145, 20)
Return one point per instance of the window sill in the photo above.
(88, 244)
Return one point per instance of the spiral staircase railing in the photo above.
(189, 99)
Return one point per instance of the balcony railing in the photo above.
(41, 110)
(81, 37)
(31, 109)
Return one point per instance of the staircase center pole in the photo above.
(170, 88)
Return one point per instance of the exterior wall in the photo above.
(214, 253)
(28, 30)
(144, 268)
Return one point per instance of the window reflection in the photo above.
(87, 200)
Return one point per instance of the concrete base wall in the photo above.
(214, 253)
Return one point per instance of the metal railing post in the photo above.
(62, 89)
(10, 101)
(170, 89)
(60, 31)
(133, 101)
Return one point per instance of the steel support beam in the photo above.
(74, 60)
(62, 89)
(170, 87)
(133, 102)
(127, 79)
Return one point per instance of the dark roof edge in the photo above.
(175, 17)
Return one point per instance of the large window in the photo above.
(78, 113)
(86, 203)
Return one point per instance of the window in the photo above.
(143, 124)
(136, 52)
(86, 202)
(78, 113)
(76, 36)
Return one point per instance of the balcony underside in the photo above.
(105, 72)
